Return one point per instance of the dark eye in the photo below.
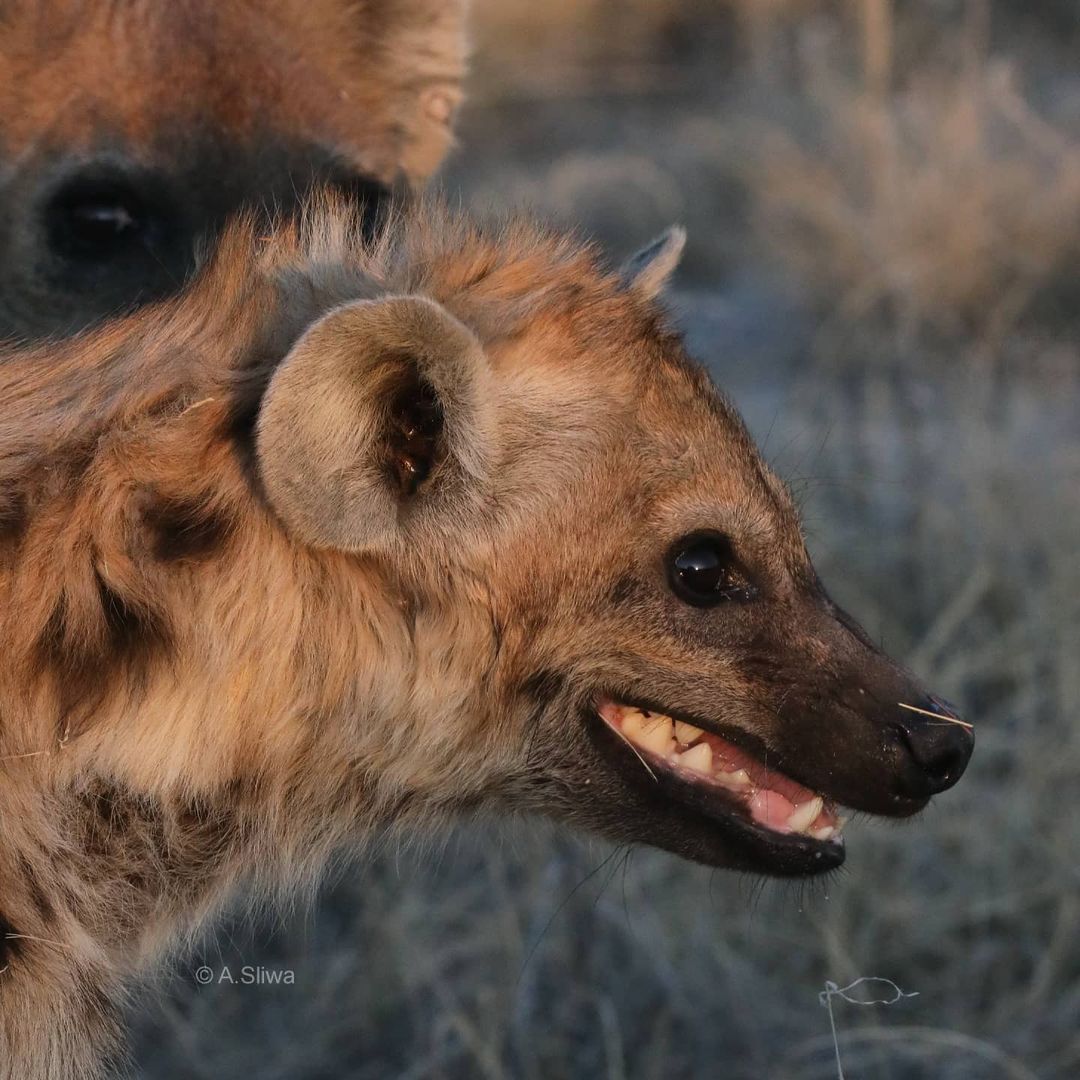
(92, 220)
(96, 222)
(703, 571)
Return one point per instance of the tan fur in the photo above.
(197, 692)
(377, 80)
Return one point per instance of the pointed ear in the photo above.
(647, 272)
(377, 427)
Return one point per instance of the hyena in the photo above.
(131, 129)
(353, 537)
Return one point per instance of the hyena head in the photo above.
(613, 616)
(130, 131)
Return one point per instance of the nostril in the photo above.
(941, 750)
(939, 758)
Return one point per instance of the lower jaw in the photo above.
(696, 828)
(699, 818)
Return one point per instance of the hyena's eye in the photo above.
(703, 570)
(93, 220)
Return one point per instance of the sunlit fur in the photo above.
(191, 697)
(376, 80)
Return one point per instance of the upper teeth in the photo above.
(686, 733)
(663, 737)
(651, 732)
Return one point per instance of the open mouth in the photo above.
(726, 779)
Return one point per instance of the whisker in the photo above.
(31, 937)
(197, 405)
(938, 716)
(635, 749)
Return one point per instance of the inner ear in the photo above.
(415, 437)
(379, 427)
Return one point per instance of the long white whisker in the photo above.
(938, 716)
(635, 749)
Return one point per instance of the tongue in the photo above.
(771, 781)
(775, 796)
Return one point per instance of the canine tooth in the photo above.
(826, 832)
(686, 733)
(800, 820)
(656, 737)
(698, 758)
(633, 724)
(738, 780)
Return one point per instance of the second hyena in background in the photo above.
(346, 539)
(130, 131)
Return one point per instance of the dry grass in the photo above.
(947, 203)
(918, 164)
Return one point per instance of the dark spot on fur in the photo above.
(10, 943)
(115, 817)
(200, 835)
(625, 589)
(158, 849)
(122, 835)
(109, 805)
(83, 653)
(79, 456)
(183, 530)
(36, 893)
(134, 633)
(13, 517)
(543, 686)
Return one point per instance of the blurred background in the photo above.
(883, 203)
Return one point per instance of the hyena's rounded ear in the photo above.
(377, 428)
(647, 272)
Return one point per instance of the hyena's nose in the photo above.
(939, 744)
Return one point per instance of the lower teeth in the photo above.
(662, 736)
